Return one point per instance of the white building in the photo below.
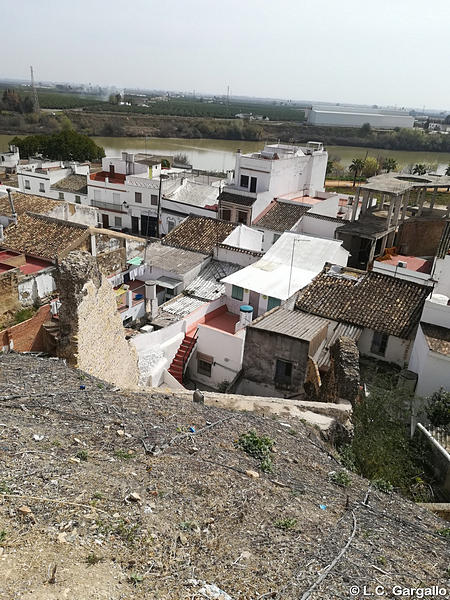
(260, 177)
(10, 160)
(350, 116)
(287, 267)
(430, 356)
(128, 193)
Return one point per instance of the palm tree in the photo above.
(356, 167)
(447, 171)
(389, 164)
(419, 169)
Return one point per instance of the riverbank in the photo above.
(113, 124)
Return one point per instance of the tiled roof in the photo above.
(77, 184)
(42, 236)
(172, 260)
(325, 218)
(27, 203)
(199, 234)
(444, 244)
(281, 216)
(380, 302)
(294, 324)
(438, 338)
(236, 199)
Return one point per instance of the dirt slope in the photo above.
(198, 517)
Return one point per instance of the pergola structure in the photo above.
(384, 203)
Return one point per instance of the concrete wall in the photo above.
(435, 313)
(35, 287)
(318, 227)
(433, 369)
(245, 237)
(226, 350)
(397, 349)
(236, 256)
(441, 272)
(262, 349)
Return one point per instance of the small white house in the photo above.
(10, 160)
(430, 356)
(287, 267)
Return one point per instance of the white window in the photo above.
(170, 225)
(41, 187)
(204, 364)
(61, 195)
(138, 197)
(116, 197)
(154, 200)
(27, 184)
(77, 200)
(117, 221)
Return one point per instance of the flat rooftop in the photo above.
(413, 263)
(27, 264)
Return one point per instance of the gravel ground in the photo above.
(107, 494)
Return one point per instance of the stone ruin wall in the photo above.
(91, 331)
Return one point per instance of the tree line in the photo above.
(64, 145)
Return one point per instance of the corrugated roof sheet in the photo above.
(367, 299)
(335, 331)
(207, 285)
(294, 324)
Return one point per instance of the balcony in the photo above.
(119, 208)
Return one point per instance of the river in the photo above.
(219, 155)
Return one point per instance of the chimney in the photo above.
(245, 316)
(151, 300)
(11, 202)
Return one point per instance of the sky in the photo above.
(388, 52)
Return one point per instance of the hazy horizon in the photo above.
(392, 54)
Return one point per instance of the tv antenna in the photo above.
(34, 92)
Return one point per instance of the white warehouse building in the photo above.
(349, 116)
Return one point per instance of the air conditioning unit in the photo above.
(402, 264)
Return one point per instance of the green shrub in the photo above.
(258, 447)
(341, 478)
(285, 524)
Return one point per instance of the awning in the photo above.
(168, 282)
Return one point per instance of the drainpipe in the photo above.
(151, 300)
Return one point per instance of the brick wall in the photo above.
(420, 237)
(28, 336)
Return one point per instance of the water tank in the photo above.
(246, 314)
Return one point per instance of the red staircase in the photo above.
(176, 369)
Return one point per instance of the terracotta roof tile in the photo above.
(199, 234)
(42, 236)
(27, 203)
(438, 338)
(281, 216)
(77, 184)
(367, 299)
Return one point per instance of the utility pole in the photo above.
(34, 91)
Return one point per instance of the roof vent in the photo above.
(402, 264)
